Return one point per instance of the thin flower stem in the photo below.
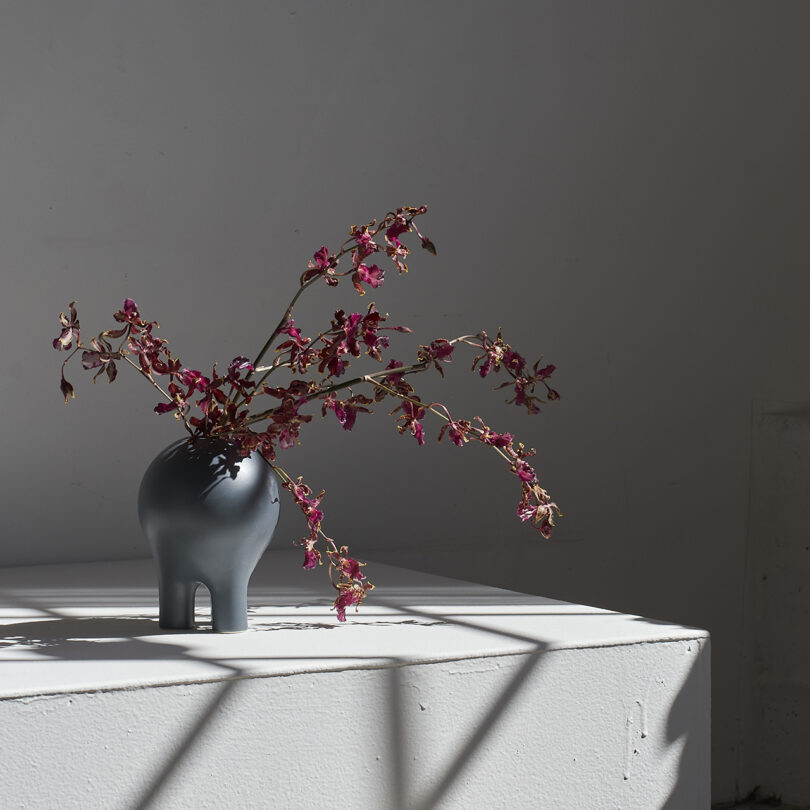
(345, 248)
(270, 369)
(124, 339)
(165, 394)
(148, 377)
(332, 550)
(280, 472)
(418, 403)
(288, 478)
(367, 378)
(64, 362)
(284, 319)
(445, 416)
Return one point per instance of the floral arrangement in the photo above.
(226, 405)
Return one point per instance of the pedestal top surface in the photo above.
(93, 626)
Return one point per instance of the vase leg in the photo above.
(229, 607)
(177, 604)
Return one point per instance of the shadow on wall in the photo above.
(132, 636)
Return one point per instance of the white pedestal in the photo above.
(439, 693)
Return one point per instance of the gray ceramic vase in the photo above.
(209, 515)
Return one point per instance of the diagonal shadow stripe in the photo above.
(485, 726)
(161, 779)
(399, 753)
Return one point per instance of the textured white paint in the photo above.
(439, 693)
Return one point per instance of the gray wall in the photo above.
(622, 185)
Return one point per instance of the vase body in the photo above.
(208, 515)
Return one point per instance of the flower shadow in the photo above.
(92, 638)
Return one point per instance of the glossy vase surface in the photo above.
(209, 515)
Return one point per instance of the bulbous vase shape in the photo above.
(209, 515)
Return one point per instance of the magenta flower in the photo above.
(349, 326)
(494, 439)
(129, 313)
(95, 357)
(395, 249)
(350, 593)
(101, 357)
(70, 330)
(497, 354)
(440, 349)
(166, 407)
(309, 506)
(397, 228)
(370, 328)
(334, 364)
(393, 379)
(513, 361)
(299, 353)
(351, 568)
(194, 380)
(237, 366)
(371, 275)
(178, 403)
(348, 596)
(343, 338)
(152, 352)
(526, 511)
(456, 430)
(493, 355)
(165, 364)
(312, 557)
(287, 421)
(524, 471)
(365, 243)
(237, 375)
(411, 418)
(541, 514)
(322, 264)
(287, 436)
(522, 398)
(346, 411)
(290, 329)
